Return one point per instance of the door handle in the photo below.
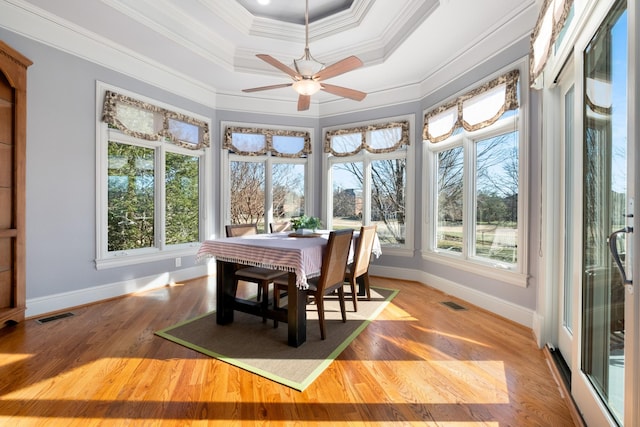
(613, 248)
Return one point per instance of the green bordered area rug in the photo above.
(259, 348)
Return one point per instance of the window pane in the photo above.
(182, 199)
(484, 106)
(185, 132)
(347, 195)
(247, 193)
(443, 123)
(130, 197)
(496, 233)
(450, 218)
(388, 179)
(347, 143)
(249, 142)
(384, 138)
(137, 119)
(288, 144)
(288, 191)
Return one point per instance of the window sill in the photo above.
(397, 251)
(123, 259)
(479, 268)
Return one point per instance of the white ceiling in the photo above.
(417, 44)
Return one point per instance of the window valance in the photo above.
(551, 20)
(474, 110)
(147, 121)
(599, 95)
(256, 142)
(375, 138)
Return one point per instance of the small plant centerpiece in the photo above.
(305, 224)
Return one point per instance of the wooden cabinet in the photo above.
(13, 123)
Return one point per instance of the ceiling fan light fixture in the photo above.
(306, 87)
(307, 67)
(309, 72)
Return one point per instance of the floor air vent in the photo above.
(452, 305)
(55, 317)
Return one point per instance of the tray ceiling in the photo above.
(214, 42)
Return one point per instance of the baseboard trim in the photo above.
(506, 309)
(66, 300)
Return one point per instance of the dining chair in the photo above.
(360, 265)
(237, 230)
(334, 264)
(262, 276)
(277, 227)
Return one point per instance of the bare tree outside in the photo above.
(496, 198)
(388, 178)
(387, 199)
(347, 195)
(248, 191)
(450, 199)
(288, 190)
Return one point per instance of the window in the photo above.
(266, 178)
(152, 161)
(473, 149)
(554, 15)
(368, 180)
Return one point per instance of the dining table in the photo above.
(299, 255)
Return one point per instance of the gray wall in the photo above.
(61, 171)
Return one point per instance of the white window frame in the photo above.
(516, 274)
(366, 158)
(110, 259)
(268, 160)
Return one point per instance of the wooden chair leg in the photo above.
(343, 310)
(365, 280)
(354, 292)
(320, 307)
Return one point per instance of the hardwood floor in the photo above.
(418, 363)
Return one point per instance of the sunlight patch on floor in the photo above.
(456, 337)
(465, 382)
(398, 313)
(9, 358)
(460, 382)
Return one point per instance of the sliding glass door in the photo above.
(604, 207)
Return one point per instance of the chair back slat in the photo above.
(237, 230)
(276, 227)
(334, 261)
(362, 255)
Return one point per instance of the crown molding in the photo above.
(196, 37)
(50, 30)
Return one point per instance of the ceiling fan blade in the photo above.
(303, 102)
(257, 89)
(279, 65)
(343, 91)
(340, 67)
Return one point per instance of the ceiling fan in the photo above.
(309, 74)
